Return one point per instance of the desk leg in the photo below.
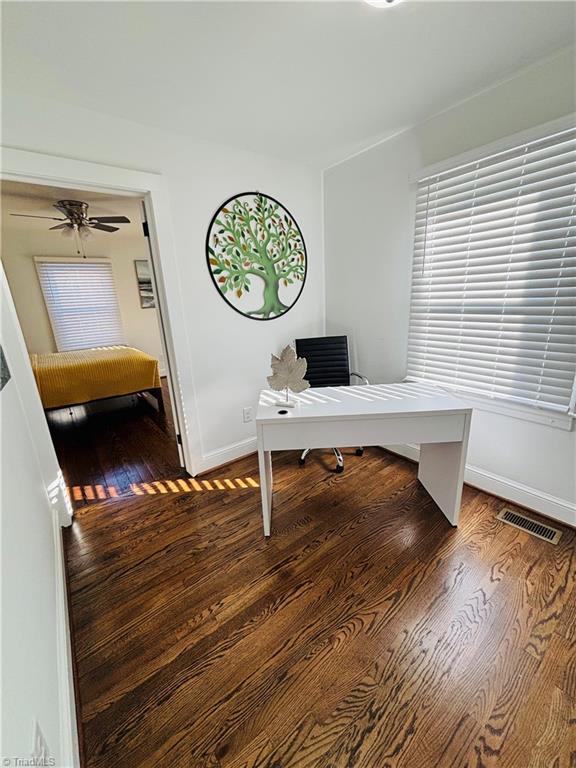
(265, 467)
(441, 472)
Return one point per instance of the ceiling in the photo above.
(299, 80)
(47, 194)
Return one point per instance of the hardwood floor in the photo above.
(365, 632)
(109, 449)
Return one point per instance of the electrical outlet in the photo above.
(247, 414)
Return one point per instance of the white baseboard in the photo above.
(69, 750)
(214, 459)
(518, 493)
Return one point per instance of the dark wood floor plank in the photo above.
(493, 742)
(205, 681)
(546, 710)
(552, 582)
(403, 701)
(365, 632)
(556, 744)
(450, 722)
(252, 756)
(234, 603)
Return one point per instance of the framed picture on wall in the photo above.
(256, 255)
(144, 279)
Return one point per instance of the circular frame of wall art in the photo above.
(256, 255)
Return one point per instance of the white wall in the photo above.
(230, 356)
(369, 213)
(229, 353)
(22, 239)
(36, 672)
(369, 219)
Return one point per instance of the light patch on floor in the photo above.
(100, 492)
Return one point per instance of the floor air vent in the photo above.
(530, 526)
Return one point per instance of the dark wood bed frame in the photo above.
(156, 393)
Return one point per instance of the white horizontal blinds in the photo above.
(493, 306)
(82, 304)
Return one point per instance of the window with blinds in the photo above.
(493, 306)
(81, 303)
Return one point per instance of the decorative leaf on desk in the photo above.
(288, 371)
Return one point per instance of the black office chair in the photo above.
(328, 366)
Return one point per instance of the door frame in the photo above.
(52, 170)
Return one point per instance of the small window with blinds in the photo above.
(493, 306)
(81, 302)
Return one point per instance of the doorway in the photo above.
(88, 307)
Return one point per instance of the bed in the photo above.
(85, 375)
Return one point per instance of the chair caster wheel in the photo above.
(301, 462)
(359, 451)
(339, 469)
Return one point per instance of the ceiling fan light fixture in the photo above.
(383, 3)
(76, 220)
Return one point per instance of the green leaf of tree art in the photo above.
(254, 247)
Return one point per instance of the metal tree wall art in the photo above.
(288, 373)
(256, 255)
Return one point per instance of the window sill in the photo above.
(550, 418)
(538, 415)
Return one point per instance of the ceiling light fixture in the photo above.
(77, 223)
(382, 3)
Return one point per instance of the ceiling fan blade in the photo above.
(31, 216)
(60, 226)
(111, 219)
(104, 227)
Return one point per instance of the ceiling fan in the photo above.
(77, 223)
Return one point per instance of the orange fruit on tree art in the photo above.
(256, 255)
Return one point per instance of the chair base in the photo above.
(339, 458)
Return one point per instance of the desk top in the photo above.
(367, 401)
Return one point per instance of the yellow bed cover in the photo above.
(70, 378)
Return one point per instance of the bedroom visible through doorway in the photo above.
(80, 273)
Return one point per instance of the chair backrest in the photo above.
(327, 358)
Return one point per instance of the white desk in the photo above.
(389, 414)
